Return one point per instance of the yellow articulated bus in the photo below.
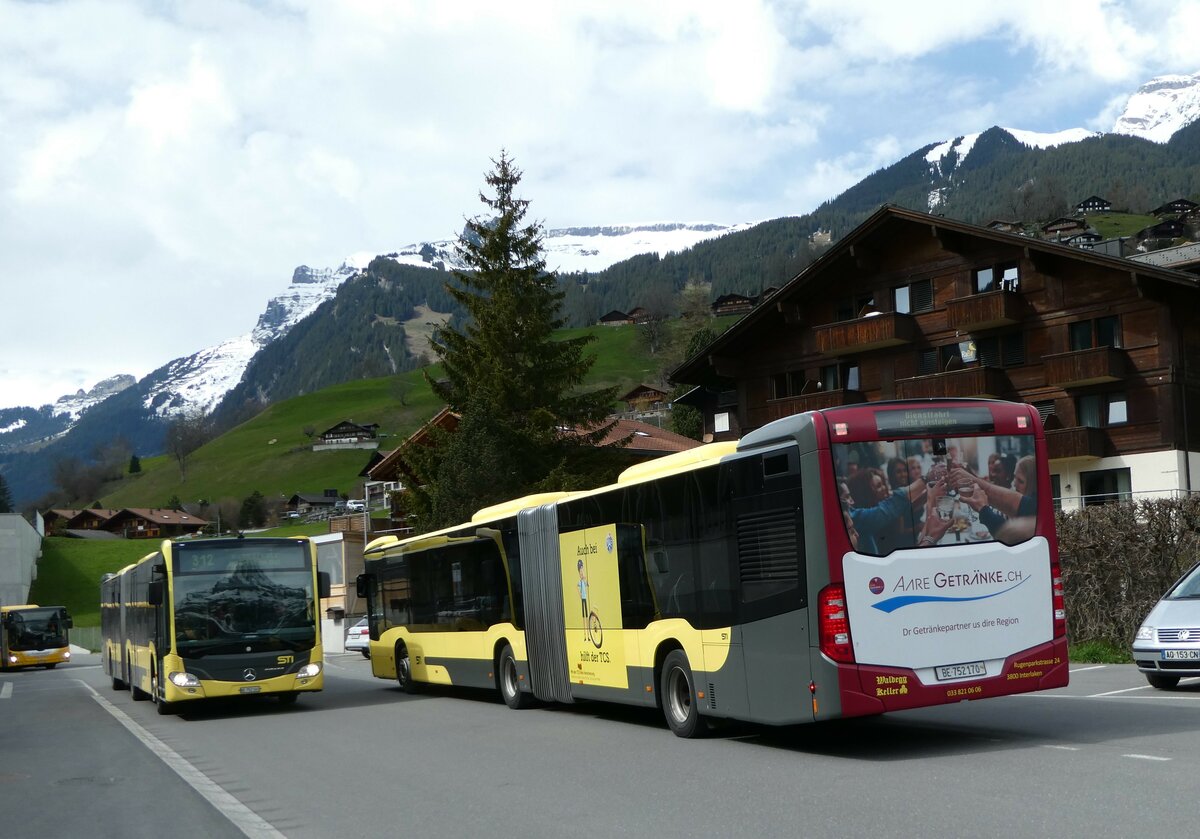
(742, 581)
(33, 636)
(215, 618)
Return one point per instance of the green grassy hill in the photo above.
(271, 453)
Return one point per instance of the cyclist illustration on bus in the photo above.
(593, 631)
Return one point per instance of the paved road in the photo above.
(1107, 756)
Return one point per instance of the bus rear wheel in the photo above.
(404, 669)
(678, 697)
(509, 681)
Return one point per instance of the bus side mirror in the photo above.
(323, 584)
(67, 622)
(362, 585)
(154, 594)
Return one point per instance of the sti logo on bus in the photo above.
(284, 659)
(876, 585)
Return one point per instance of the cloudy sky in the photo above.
(164, 166)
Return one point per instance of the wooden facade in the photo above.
(1108, 349)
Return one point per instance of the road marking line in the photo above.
(242, 817)
(1115, 692)
(6, 691)
(1093, 667)
(1063, 748)
(1147, 757)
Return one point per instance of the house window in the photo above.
(1100, 410)
(1101, 332)
(949, 357)
(721, 422)
(850, 308)
(1001, 350)
(927, 361)
(1006, 277)
(1104, 486)
(794, 383)
(1056, 491)
(842, 376)
(1045, 410)
(914, 297)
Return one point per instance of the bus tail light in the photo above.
(834, 623)
(1057, 601)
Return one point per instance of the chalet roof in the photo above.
(59, 513)
(315, 498)
(614, 315)
(647, 439)
(92, 513)
(1062, 221)
(732, 298)
(157, 515)
(890, 221)
(1179, 205)
(1094, 199)
(350, 424)
(387, 467)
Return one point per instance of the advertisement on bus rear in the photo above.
(937, 609)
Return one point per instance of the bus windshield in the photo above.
(937, 491)
(35, 629)
(238, 601)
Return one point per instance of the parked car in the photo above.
(353, 506)
(1167, 646)
(358, 637)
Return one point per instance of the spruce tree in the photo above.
(526, 424)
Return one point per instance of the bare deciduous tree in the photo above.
(186, 433)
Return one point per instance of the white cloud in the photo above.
(163, 168)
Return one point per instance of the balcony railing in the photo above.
(1085, 367)
(874, 332)
(969, 381)
(1076, 442)
(989, 310)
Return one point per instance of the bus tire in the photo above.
(404, 676)
(288, 698)
(162, 706)
(679, 697)
(50, 666)
(137, 693)
(509, 682)
(119, 684)
(1158, 680)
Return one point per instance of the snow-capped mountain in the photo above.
(198, 381)
(73, 405)
(1161, 107)
(575, 249)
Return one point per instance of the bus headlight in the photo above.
(184, 680)
(308, 671)
(1145, 633)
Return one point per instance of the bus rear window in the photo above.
(937, 491)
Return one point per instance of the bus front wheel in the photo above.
(508, 677)
(404, 675)
(678, 697)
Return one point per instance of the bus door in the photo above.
(768, 545)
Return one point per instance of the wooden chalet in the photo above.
(1094, 204)
(1171, 228)
(93, 519)
(1086, 239)
(645, 398)
(1107, 349)
(1178, 207)
(54, 522)
(304, 502)
(639, 315)
(1063, 227)
(615, 318)
(347, 432)
(732, 304)
(1002, 225)
(153, 523)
